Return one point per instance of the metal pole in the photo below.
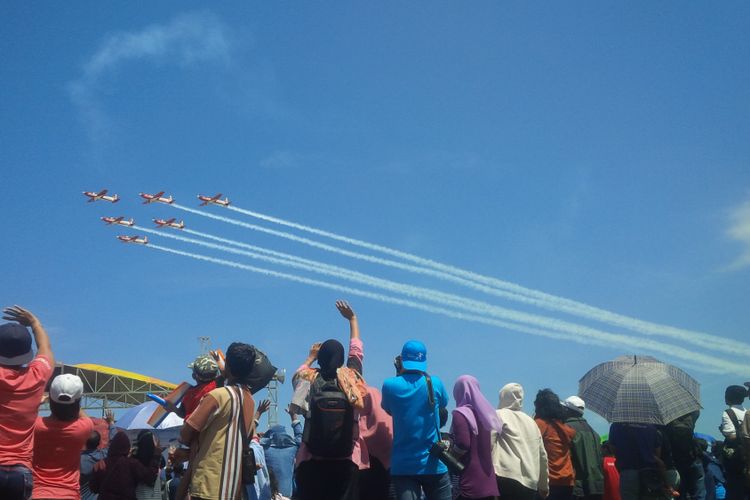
(273, 397)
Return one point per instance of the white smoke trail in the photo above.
(577, 331)
(539, 299)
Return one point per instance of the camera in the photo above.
(440, 450)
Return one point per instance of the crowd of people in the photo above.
(349, 440)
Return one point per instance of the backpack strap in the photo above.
(737, 427)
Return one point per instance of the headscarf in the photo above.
(330, 358)
(119, 446)
(376, 427)
(471, 403)
(511, 397)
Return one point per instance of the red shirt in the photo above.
(611, 479)
(194, 395)
(557, 438)
(57, 456)
(20, 395)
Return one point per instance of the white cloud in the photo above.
(185, 40)
(739, 230)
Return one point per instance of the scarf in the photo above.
(511, 397)
(350, 382)
(471, 403)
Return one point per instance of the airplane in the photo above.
(134, 239)
(214, 200)
(169, 223)
(101, 195)
(152, 198)
(118, 220)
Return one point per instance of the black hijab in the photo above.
(330, 358)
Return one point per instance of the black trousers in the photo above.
(374, 483)
(510, 489)
(327, 480)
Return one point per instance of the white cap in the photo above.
(66, 389)
(575, 403)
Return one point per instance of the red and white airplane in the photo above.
(118, 220)
(133, 239)
(101, 195)
(158, 197)
(214, 200)
(169, 223)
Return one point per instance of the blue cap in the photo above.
(414, 356)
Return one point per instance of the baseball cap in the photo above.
(574, 403)
(414, 355)
(15, 345)
(66, 389)
(205, 367)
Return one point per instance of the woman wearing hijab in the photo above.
(116, 477)
(518, 453)
(558, 441)
(473, 421)
(331, 478)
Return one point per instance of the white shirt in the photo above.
(727, 427)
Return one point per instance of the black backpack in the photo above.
(329, 426)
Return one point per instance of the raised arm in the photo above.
(347, 312)
(26, 318)
(356, 353)
(311, 356)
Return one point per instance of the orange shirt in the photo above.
(57, 456)
(20, 395)
(558, 438)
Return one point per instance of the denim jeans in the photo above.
(16, 482)
(435, 487)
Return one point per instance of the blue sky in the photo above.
(598, 153)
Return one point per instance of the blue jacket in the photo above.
(281, 449)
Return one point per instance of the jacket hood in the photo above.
(277, 437)
(511, 397)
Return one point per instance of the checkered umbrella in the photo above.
(639, 389)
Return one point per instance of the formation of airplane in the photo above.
(169, 223)
(158, 197)
(134, 239)
(101, 195)
(118, 220)
(214, 200)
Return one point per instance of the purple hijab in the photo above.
(471, 403)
